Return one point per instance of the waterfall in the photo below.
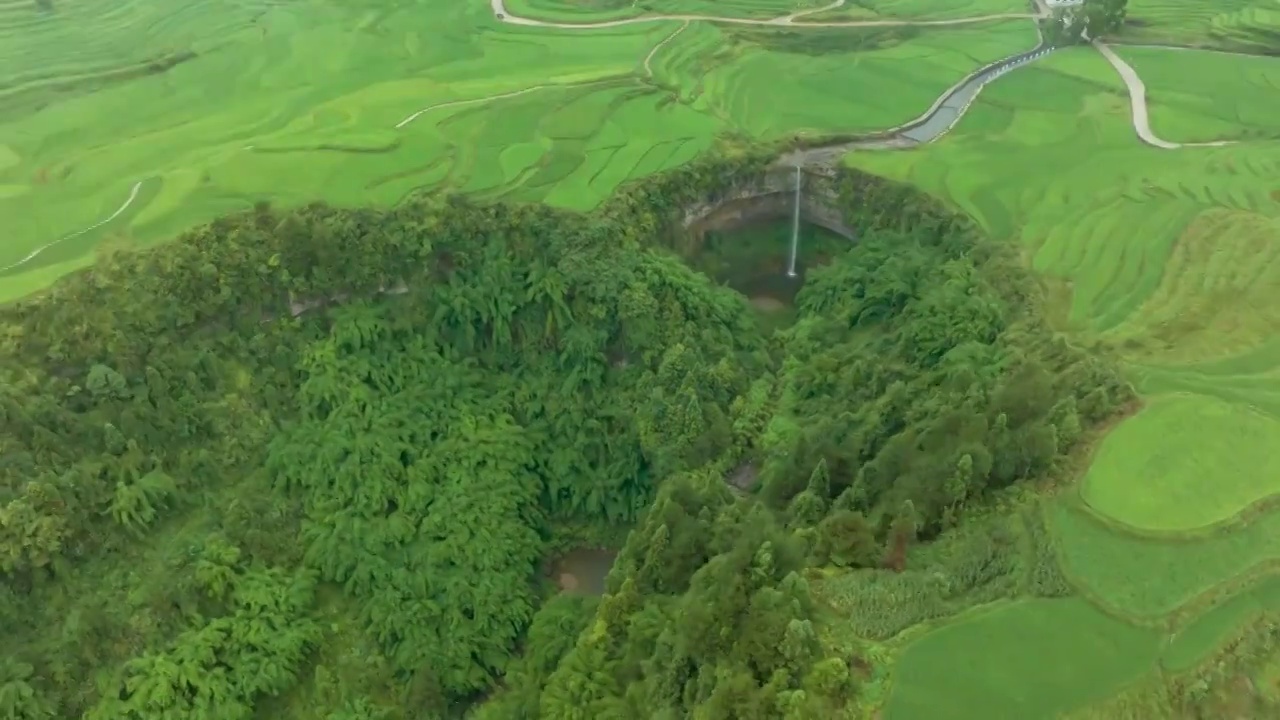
(795, 228)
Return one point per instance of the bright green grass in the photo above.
(1250, 25)
(587, 11)
(368, 102)
(309, 110)
(1205, 96)
(1148, 579)
(1201, 638)
(1018, 661)
(1184, 462)
(84, 44)
(1108, 223)
(772, 83)
(920, 10)
(1251, 379)
(1166, 255)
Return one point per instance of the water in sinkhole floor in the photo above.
(753, 260)
(583, 570)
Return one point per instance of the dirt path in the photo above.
(1138, 101)
(499, 8)
(648, 70)
(1187, 48)
(133, 195)
(501, 96)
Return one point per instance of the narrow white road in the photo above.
(1138, 101)
(488, 98)
(500, 11)
(648, 69)
(133, 195)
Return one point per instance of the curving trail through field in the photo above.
(648, 69)
(1137, 90)
(1138, 101)
(502, 96)
(133, 195)
(499, 8)
(1188, 48)
(900, 138)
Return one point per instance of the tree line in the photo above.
(208, 504)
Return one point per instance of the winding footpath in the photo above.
(934, 123)
(500, 12)
(133, 195)
(648, 69)
(922, 129)
(1138, 101)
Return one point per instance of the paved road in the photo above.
(1138, 101)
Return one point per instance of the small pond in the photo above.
(583, 570)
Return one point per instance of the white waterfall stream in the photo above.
(795, 228)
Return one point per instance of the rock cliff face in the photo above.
(770, 196)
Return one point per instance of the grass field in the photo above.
(161, 115)
(1149, 579)
(583, 11)
(207, 109)
(919, 9)
(1018, 661)
(1165, 257)
(770, 83)
(1194, 643)
(1249, 25)
(1206, 96)
(1160, 471)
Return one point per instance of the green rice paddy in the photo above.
(1205, 96)
(1159, 471)
(1148, 579)
(1026, 659)
(218, 105)
(1248, 25)
(919, 10)
(1197, 641)
(162, 115)
(584, 11)
(1166, 258)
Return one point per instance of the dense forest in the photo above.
(313, 463)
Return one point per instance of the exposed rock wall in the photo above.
(768, 197)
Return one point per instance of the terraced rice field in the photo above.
(1250, 25)
(1026, 659)
(1160, 471)
(581, 11)
(1166, 259)
(1207, 96)
(771, 83)
(919, 9)
(1194, 643)
(130, 120)
(158, 116)
(1148, 579)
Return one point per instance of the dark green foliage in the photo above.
(1044, 577)
(285, 431)
(979, 563)
(917, 374)
(739, 642)
(215, 671)
(551, 636)
(1104, 17)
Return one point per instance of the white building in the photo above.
(1055, 4)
